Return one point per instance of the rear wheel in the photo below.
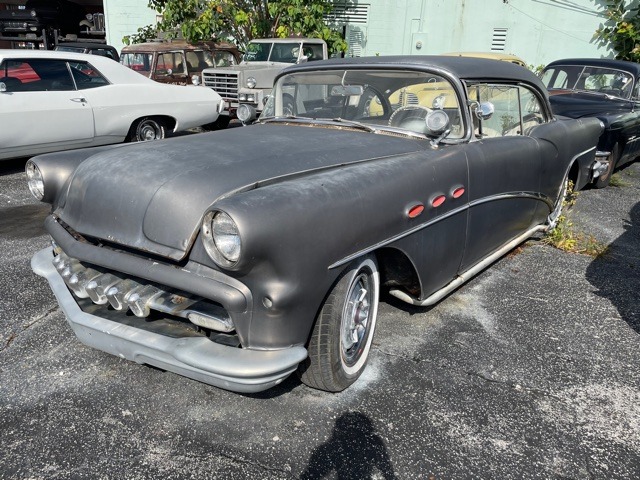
(343, 332)
(147, 129)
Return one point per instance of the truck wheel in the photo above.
(343, 332)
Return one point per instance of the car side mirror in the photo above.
(484, 110)
(169, 71)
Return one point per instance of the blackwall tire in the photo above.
(342, 335)
(148, 129)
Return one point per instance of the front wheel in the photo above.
(343, 332)
(147, 129)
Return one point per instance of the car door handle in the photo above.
(79, 100)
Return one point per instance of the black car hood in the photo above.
(152, 196)
(576, 104)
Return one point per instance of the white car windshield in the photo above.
(381, 99)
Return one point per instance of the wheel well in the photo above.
(396, 270)
(574, 173)
(169, 123)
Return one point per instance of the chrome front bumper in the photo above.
(235, 369)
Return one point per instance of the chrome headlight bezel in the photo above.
(221, 238)
(251, 82)
(35, 180)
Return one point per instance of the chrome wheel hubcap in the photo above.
(356, 318)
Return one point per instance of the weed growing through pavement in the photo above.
(618, 181)
(566, 238)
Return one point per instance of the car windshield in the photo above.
(376, 99)
(590, 79)
(272, 52)
(140, 62)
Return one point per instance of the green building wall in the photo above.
(538, 31)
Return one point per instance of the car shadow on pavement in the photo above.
(616, 274)
(354, 451)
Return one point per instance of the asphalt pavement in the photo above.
(530, 371)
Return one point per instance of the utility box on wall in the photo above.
(419, 44)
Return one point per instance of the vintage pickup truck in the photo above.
(251, 81)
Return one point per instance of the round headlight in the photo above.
(195, 79)
(221, 238)
(35, 180)
(246, 113)
(251, 82)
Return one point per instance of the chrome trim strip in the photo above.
(463, 277)
(455, 211)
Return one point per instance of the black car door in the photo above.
(505, 165)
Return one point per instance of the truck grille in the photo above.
(224, 83)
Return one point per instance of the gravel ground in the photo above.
(530, 371)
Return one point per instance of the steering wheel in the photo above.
(411, 117)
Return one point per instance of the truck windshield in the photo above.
(272, 52)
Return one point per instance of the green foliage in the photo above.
(243, 20)
(566, 238)
(144, 33)
(618, 181)
(621, 31)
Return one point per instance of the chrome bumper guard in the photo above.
(199, 358)
(125, 293)
(601, 164)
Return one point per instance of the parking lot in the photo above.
(531, 370)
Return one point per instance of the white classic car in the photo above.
(52, 101)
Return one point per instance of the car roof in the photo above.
(466, 68)
(631, 67)
(87, 45)
(287, 40)
(177, 45)
(113, 71)
(505, 57)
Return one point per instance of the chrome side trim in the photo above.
(455, 211)
(463, 277)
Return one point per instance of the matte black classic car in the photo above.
(238, 257)
(608, 90)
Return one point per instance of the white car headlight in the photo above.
(221, 238)
(35, 180)
(251, 82)
(195, 79)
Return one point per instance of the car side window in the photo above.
(173, 61)
(516, 110)
(86, 76)
(36, 75)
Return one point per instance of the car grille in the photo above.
(224, 83)
(125, 293)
